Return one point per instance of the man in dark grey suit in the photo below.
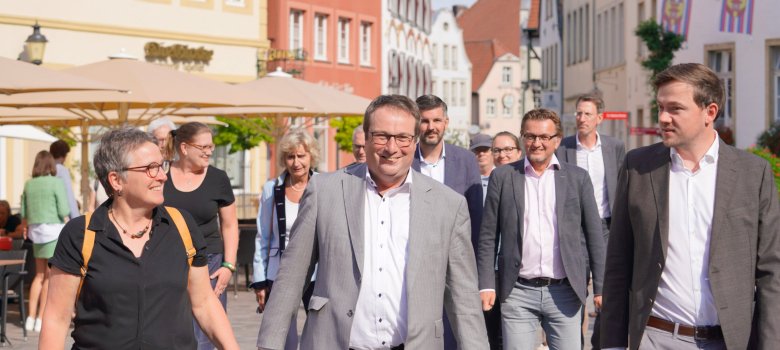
(694, 252)
(451, 165)
(392, 246)
(544, 211)
(601, 156)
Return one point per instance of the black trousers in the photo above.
(493, 324)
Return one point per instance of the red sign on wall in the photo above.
(616, 115)
(639, 130)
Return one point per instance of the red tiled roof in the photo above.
(493, 19)
(491, 28)
(482, 54)
(533, 15)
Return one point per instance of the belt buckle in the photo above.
(546, 281)
(706, 333)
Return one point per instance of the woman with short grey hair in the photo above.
(134, 269)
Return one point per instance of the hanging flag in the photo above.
(676, 15)
(736, 16)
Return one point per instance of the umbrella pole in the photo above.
(84, 163)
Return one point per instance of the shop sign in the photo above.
(178, 56)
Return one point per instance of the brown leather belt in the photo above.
(697, 332)
(541, 281)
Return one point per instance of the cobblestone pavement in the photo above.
(241, 312)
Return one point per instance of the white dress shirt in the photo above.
(541, 246)
(592, 160)
(381, 311)
(433, 170)
(684, 294)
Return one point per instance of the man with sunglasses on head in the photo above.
(601, 156)
(548, 222)
(392, 246)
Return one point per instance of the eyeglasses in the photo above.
(202, 148)
(153, 169)
(505, 150)
(381, 139)
(530, 138)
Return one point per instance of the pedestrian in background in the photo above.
(506, 148)
(279, 204)
(44, 209)
(59, 150)
(205, 192)
(144, 274)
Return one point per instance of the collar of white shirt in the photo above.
(407, 182)
(709, 158)
(554, 164)
(580, 146)
(443, 154)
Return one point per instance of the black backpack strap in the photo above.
(281, 225)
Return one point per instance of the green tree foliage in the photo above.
(243, 133)
(344, 127)
(773, 160)
(661, 46)
(770, 139)
(62, 133)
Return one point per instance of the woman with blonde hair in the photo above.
(44, 209)
(279, 202)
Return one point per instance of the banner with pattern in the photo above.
(676, 15)
(737, 16)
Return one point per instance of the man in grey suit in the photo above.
(392, 246)
(694, 253)
(601, 156)
(451, 165)
(549, 224)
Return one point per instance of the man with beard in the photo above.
(451, 165)
(548, 222)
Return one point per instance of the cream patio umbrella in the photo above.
(152, 91)
(22, 77)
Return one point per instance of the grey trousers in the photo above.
(656, 339)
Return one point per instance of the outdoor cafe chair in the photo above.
(13, 280)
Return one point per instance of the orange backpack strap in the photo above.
(86, 250)
(184, 232)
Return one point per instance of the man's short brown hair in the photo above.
(543, 114)
(592, 98)
(399, 102)
(707, 88)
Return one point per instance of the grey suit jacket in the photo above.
(440, 272)
(461, 173)
(612, 150)
(744, 264)
(578, 222)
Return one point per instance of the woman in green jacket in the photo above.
(44, 208)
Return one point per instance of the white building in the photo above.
(451, 70)
(406, 49)
(550, 43)
(747, 63)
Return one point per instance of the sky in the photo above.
(437, 4)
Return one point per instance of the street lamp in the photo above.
(36, 44)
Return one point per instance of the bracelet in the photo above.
(229, 266)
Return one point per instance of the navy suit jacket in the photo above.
(461, 173)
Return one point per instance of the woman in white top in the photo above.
(278, 209)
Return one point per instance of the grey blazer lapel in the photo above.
(571, 154)
(419, 208)
(659, 180)
(354, 188)
(518, 185)
(561, 193)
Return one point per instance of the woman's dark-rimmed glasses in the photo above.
(152, 169)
